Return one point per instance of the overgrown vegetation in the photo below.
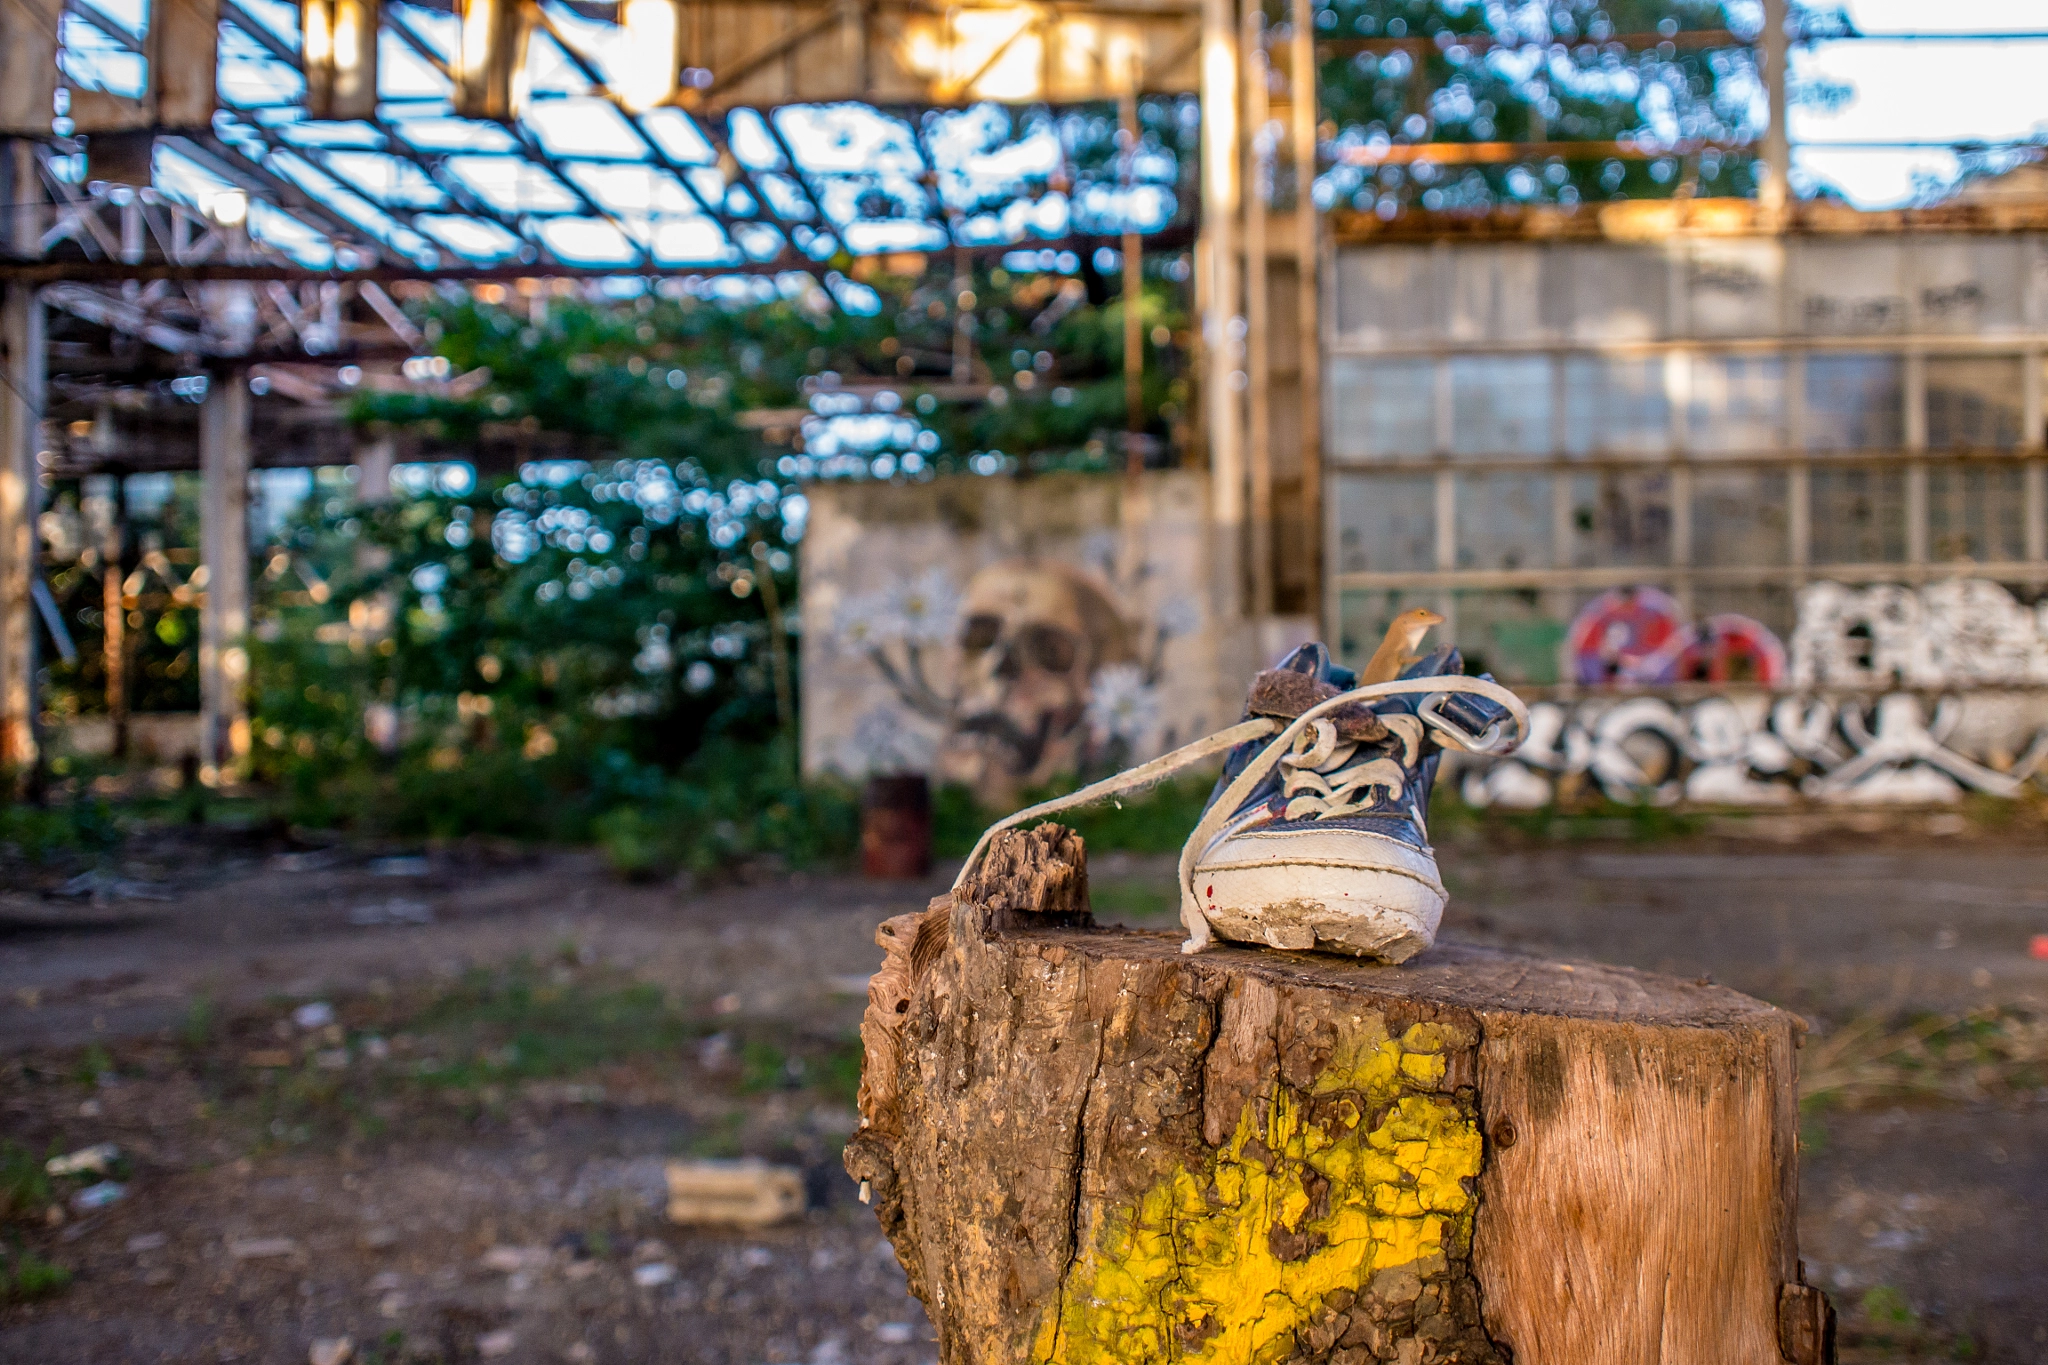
(474, 1047)
(601, 647)
(26, 1277)
(24, 1185)
(37, 834)
(1983, 1054)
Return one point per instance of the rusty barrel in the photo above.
(896, 827)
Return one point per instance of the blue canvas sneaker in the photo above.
(1316, 835)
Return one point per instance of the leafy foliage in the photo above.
(1454, 71)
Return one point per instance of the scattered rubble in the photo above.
(97, 1159)
(99, 1196)
(317, 1015)
(262, 1248)
(395, 911)
(747, 1193)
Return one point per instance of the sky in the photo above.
(1921, 91)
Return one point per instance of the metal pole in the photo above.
(224, 551)
(1222, 324)
(21, 405)
(1258, 323)
(778, 645)
(1307, 261)
(963, 317)
(1134, 296)
(1772, 54)
(114, 637)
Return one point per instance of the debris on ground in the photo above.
(510, 1260)
(317, 1015)
(261, 1248)
(101, 887)
(332, 1351)
(746, 1193)
(99, 1196)
(97, 1159)
(395, 911)
(654, 1274)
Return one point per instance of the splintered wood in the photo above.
(1087, 1147)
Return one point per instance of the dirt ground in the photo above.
(422, 1100)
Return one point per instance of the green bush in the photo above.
(41, 833)
(26, 1277)
(1154, 821)
(732, 804)
(24, 1185)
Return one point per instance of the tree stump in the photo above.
(1087, 1147)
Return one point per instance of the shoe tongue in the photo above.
(1313, 660)
(1286, 694)
(1440, 662)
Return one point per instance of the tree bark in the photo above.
(1087, 1147)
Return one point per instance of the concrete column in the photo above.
(1222, 323)
(1303, 107)
(373, 471)
(1258, 367)
(21, 405)
(224, 554)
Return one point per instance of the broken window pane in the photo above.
(1619, 519)
(1616, 405)
(1738, 403)
(1504, 521)
(1511, 634)
(1363, 616)
(1855, 402)
(1386, 523)
(1859, 515)
(1973, 402)
(1770, 603)
(1381, 407)
(1976, 512)
(1738, 517)
(1500, 405)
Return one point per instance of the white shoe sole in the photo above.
(1339, 890)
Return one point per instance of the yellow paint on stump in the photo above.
(1190, 1271)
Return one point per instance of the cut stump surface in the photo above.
(1087, 1147)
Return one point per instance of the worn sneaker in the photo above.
(1316, 835)
(1320, 838)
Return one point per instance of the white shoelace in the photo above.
(1325, 777)
(1324, 798)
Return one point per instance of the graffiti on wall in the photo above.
(1640, 636)
(1887, 694)
(1963, 632)
(1763, 751)
(1033, 670)
(1001, 634)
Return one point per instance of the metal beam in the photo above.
(384, 273)
(117, 314)
(258, 33)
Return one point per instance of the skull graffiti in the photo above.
(1032, 636)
